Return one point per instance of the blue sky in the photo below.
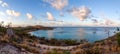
(60, 12)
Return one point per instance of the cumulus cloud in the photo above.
(3, 4)
(13, 13)
(81, 12)
(50, 16)
(109, 22)
(58, 4)
(29, 16)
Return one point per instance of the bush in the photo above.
(14, 39)
(96, 50)
(3, 30)
(118, 38)
(70, 42)
(55, 52)
(66, 52)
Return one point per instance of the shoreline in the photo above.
(71, 48)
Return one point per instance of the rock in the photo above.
(10, 49)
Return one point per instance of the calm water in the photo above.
(89, 33)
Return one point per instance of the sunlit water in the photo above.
(91, 34)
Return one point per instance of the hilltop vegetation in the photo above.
(23, 41)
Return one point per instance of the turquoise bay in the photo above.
(91, 34)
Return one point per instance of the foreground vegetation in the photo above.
(24, 41)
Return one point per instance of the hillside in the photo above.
(22, 42)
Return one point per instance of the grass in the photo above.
(29, 48)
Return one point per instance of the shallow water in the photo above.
(91, 34)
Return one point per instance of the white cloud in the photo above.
(82, 12)
(12, 13)
(29, 16)
(50, 16)
(109, 22)
(3, 4)
(58, 4)
(2, 14)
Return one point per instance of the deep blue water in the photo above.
(90, 34)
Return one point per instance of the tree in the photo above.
(118, 29)
(1, 24)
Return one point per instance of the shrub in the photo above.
(30, 49)
(3, 30)
(96, 50)
(66, 52)
(14, 39)
(55, 51)
(118, 38)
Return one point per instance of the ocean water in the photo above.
(91, 34)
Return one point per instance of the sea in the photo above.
(91, 34)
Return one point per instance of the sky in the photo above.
(60, 12)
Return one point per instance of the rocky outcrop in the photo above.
(10, 49)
